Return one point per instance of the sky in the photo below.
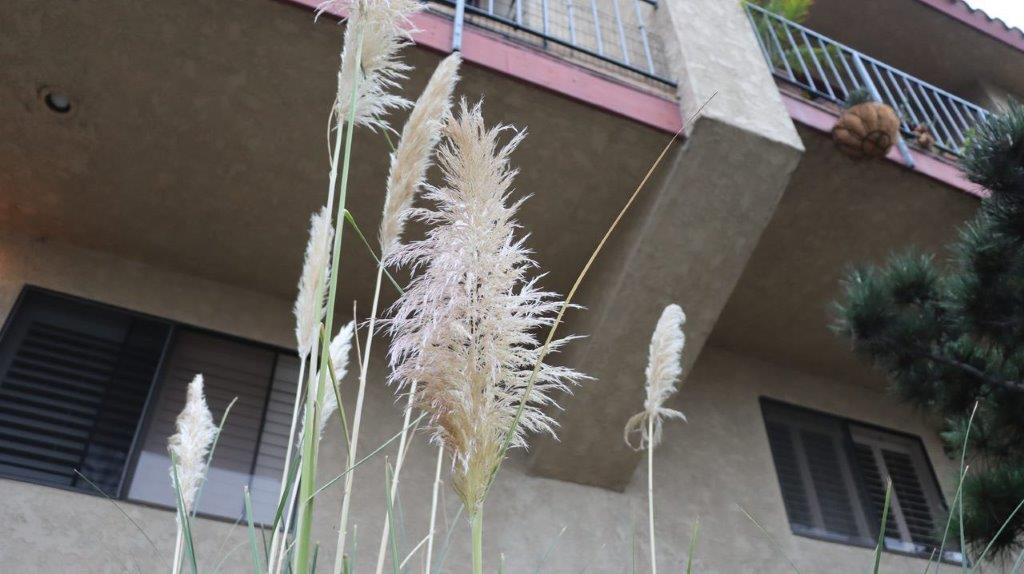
(1010, 11)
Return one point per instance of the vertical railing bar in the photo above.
(963, 121)
(597, 27)
(622, 32)
(952, 122)
(643, 36)
(873, 90)
(843, 55)
(947, 139)
(880, 80)
(490, 7)
(572, 23)
(544, 20)
(460, 18)
(757, 34)
(799, 57)
(817, 64)
(832, 66)
(778, 44)
(923, 119)
(903, 97)
(519, 12)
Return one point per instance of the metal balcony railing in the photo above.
(615, 32)
(831, 70)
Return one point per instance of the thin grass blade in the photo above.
(547, 552)
(881, 529)
(186, 526)
(447, 543)
(352, 221)
(771, 539)
(257, 563)
(977, 563)
(393, 544)
(364, 459)
(693, 547)
(209, 458)
(119, 509)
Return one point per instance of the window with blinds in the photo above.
(94, 389)
(74, 377)
(832, 474)
(251, 448)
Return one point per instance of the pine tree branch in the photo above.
(977, 373)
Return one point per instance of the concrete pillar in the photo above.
(687, 240)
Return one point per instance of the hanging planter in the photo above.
(866, 129)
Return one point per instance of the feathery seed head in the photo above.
(190, 445)
(465, 328)
(384, 28)
(411, 159)
(310, 304)
(341, 345)
(664, 366)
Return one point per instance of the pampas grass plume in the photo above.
(340, 349)
(410, 161)
(190, 445)
(664, 366)
(384, 27)
(309, 304)
(465, 328)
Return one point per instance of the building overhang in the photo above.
(940, 41)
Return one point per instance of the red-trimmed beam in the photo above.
(545, 71)
(927, 164)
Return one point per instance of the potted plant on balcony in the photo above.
(867, 128)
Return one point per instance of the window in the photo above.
(832, 473)
(96, 389)
(73, 382)
(251, 448)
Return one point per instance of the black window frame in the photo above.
(156, 384)
(849, 427)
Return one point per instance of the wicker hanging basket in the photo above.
(866, 130)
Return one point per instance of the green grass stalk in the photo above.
(881, 529)
(307, 478)
(400, 459)
(693, 546)
(433, 507)
(254, 549)
(650, 494)
(357, 418)
(476, 526)
(286, 488)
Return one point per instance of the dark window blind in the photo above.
(832, 475)
(74, 377)
(917, 510)
(820, 492)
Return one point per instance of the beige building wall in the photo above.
(709, 468)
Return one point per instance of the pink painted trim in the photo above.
(979, 20)
(927, 164)
(540, 69)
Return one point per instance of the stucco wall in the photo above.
(707, 468)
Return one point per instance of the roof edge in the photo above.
(979, 20)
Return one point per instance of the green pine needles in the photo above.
(951, 335)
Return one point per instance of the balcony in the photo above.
(608, 35)
(830, 70)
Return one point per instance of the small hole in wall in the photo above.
(57, 102)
